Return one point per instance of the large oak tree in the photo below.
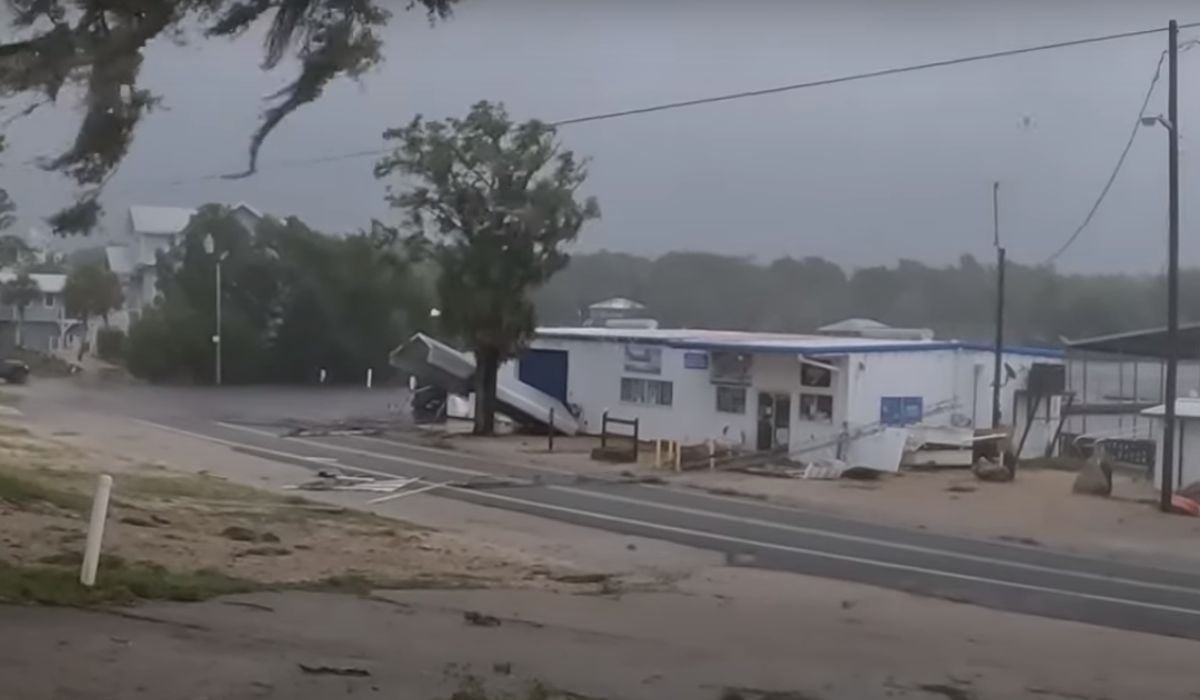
(94, 50)
(493, 203)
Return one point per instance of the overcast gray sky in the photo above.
(861, 173)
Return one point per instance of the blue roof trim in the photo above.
(802, 349)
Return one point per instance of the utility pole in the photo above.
(999, 350)
(217, 335)
(1168, 448)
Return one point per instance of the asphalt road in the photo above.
(1026, 579)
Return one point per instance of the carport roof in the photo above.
(743, 341)
(1150, 342)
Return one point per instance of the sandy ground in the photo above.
(678, 624)
(805, 639)
(1038, 508)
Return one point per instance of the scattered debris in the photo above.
(503, 669)
(582, 578)
(480, 620)
(848, 604)
(961, 488)
(264, 552)
(823, 471)
(1095, 479)
(740, 693)
(951, 692)
(1027, 541)
(328, 670)
(269, 537)
(861, 473)
(248, 604)
(237, 533)
(1191, 491)
(1182, 505)
(136, 521)
(337, 481)
(986, 469)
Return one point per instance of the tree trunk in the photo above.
(20, 328)
(487, 365)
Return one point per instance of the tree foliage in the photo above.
(95, 49)
(92, 291)
(790, 295)
(294, 301)
(493, 203)
(19, 293)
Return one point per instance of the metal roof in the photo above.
(159, 220)
(48, 283)
(1150, 342)
(1185, 407)
(617, 304)
(772, 342)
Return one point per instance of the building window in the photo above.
(653, 392)
(816, 408)
(815, 376)
(731, 399)
(49, 301)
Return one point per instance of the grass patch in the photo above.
(23, 493)
(188, 486)
(117, 582)
(14, 430)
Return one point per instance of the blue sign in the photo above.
(901, 410)
(695, 360)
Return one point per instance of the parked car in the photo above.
(14, 371)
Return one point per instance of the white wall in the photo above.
(1187, 452)
(594, 384)
(595, 369)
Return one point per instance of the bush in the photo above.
(110, 344)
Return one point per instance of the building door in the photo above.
(545, 370)
(774, 420)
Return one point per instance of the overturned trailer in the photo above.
(438, 365)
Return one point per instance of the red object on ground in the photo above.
(1185, 506)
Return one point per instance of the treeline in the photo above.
(703, 290)
(294, 301)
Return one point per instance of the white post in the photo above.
(370, 374)
(678, 457)
(322, 375)
(712, 459)
(658, 453)
(95, 533)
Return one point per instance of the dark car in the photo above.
(14, 371)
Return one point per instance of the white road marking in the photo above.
(356, 451)
(472, 457)
(845, 557)
(874, 541)
(719, 537)
(774, 525)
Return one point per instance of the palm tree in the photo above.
(20, 293)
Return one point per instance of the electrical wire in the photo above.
(747, 94)
(1137, 125)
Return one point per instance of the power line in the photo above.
(1137, 125)
(747, 94)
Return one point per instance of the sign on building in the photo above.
(643, 359)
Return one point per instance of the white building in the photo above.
(1187, 441)
(150, 231)
(47, 327)
(774, 391)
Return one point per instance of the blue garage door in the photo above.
(545, 370)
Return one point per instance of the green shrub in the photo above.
(110, 344)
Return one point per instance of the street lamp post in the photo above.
(210, 248)
(1171, 123)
